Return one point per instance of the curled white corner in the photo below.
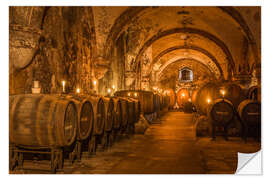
(249, 163)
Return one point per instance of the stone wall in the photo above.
(65, 49)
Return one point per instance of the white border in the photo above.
(5, 84)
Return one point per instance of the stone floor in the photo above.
(168, 147)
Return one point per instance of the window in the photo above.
(185, 75)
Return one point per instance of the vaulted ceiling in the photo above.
(224, 39)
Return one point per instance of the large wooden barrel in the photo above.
(117, 113)
(250, 112)
(182, 97)
(208, 91)
(99, 114)
(254, 93)
(146, 99)
(221, 111)
(25, 32)
(38, 121)
(172, 96)
(85, 116)
(109, 108)
(233, 92)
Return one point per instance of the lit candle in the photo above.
(183, 95)
(113, 86)
(128, 94)
(63, 83)
(208, 101)
(135, 94)
(95, 82)
(78, 90)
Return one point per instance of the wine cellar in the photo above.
(133, 90)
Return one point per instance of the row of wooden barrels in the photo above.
(150, 102)
(199, 97)
(61, 123)
(58, 120)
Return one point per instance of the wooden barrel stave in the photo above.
(109, 108)
(42, 121)
(117, 113)
(99, 114)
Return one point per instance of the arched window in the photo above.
(185, 75)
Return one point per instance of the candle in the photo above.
(135, 94)
(208, 101)
(95, 82)
(78, 90)
(109, 90)
(63, 83)
(113, 86)
(128, 94)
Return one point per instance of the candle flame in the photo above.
(128, 94)
(94, 82)
(208, 100)
(78, 90)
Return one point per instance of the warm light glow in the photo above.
(222, 92)
(109, 90)
(128, 94)
(95, 82)
(113, 86)
(135, 94)
(208, 100)
(155, 88)
(63, 83)
(78, 90)
(183, 95)
(189, 100)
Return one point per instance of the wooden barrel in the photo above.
(172, 96)
(250, 112)
(109, 108)
(117, 114)
(182, 97)
(124, 108)
(233, 92)
(254, 93)
(38, 121)
(99, 114)
(146, 99)
(85, 116)
(208, 91)
(221, 111)
(157, 102)
(25, 32)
